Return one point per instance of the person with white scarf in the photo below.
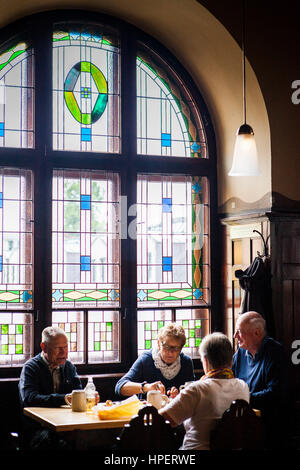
(164, 368)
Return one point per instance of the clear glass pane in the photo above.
(16, 229)
(16, 338)
(85, 239)
(72, 322)
(86, 91)
(167, 124)
(103, 336)
(172, 240)
(16, 97)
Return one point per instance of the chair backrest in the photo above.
(147, 430)
(239, 428)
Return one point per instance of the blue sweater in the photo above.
(265, 374)
(144, 369)
(36, 384)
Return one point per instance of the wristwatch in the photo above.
(142, 386)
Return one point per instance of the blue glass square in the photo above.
(85, 263)
(167, 263)
(1, 263)
(166, 140)
(1, 129)
(167, 204)
(85, 202)
(1, 200)
(86, 134)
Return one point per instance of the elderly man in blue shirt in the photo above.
(260, 362)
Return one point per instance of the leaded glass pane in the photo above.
(196, 324)
(167, 123)
(172, 240)
(16, 97)
(16, 229)
(149, 323)
(85, 239)
(103, 336)
(16, 338)
(86, 91)
(72, 322)
(194, 321)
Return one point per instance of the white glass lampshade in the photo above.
(245, 161)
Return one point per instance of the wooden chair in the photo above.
(148, 430)
(238, 429)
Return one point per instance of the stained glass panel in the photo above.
(16, 97)
(172, 240)
(194, 321)
(167, 124)
(149, 323)
(72, 322)
(86, 95)
(16, 229)
(103, 336)
(85, 249)
(16, 338)
(196, 324)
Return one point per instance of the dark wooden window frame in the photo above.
(42, 160)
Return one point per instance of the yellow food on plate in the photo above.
(109, 403)
(124, 409)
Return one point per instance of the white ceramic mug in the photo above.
(77, 400)
(157, 399)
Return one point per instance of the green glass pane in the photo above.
(109, 326)
(148, 344)
(160, 324)
(4, 349)
(97, 345)
(19, 329)
(154, 334)
(4, 329)
(192, 333)
(148, 325)
(198, 323)
(19, 348)
(185, 323)
(197, 342)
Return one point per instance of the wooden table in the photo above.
(81, 429)
(64, 419)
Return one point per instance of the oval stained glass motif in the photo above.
(101, 85)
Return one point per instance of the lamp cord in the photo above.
(243, 52)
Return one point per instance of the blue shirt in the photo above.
(144, 369)
(265, 374)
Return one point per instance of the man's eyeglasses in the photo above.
(166, 347)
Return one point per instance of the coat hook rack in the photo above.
(265, 242)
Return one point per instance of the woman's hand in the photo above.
(156, 386)
(173, 392)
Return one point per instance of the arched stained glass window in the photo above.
(107, 204)
(16, 97)
(86, 95)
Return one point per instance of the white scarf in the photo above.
(168, 371)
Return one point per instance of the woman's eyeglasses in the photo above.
(166, 347)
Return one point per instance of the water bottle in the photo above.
(90, 392)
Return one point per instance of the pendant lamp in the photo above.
(245, 161)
